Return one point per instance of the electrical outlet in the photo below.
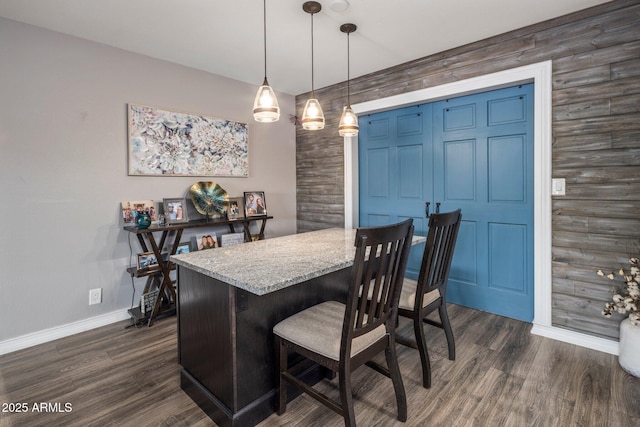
(95, 296)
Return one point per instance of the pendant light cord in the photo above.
(312, 88)
(264, 19)
(348, 71)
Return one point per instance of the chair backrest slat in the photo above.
(438, 252)
(378, 269)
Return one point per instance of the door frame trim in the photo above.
(541, 75)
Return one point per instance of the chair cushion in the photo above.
(319, 329)
(408, 295)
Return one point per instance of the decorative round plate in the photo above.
(209, 198)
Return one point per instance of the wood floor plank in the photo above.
(624, 407)
(496, 394)
(593, 385)
(541, 399)
(502, 376)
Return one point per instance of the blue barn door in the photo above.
(475, 153)
(395, 171)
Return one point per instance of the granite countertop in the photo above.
(269, 265)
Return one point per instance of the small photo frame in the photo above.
(147, 261)
(255, 204)
(235, 209)
(231, 239)
(175, 211)
(207, 241)
(148, 301)
(131, 208)
(183, 248)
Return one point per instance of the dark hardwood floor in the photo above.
(503, 376)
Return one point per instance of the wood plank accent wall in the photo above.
(596, 143)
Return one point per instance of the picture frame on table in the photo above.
(183, 248)
(131, 208)
(175, 210)
(231, 239)
(147, 261)
(235, 209)
(206, 241)
(148, 301)
(254, 204)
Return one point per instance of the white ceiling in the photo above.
(225, 37)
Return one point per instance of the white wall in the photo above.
(63, 168)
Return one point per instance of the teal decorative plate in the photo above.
(209, 198)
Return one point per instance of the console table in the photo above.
(160, 277)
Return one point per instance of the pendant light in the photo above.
(312, 116)
(349, 121)
(265, 106)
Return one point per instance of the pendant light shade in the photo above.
(349, 121)
(265, 106)
(312, 116)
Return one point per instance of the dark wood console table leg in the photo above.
(165, 269)
(262, 226)
(247, 231)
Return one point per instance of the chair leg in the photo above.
(446, 325)
(346, 398)
(282, 385)
(424, 354)
(396, 378)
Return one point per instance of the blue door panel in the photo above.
(374, 220)
(459, 172)
(378, 129)
(507, 110)
(507, 169)
(410, 124)
(465, 259)
(378, 173)
(410, 171)
(460, 117)
(507, 257)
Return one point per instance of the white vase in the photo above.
(629, 357)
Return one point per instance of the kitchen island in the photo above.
(230, 298)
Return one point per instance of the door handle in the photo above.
(438, 207)
(426, 208)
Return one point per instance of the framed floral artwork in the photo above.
(167, 143)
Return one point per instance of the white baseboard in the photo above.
(40, 337)
(582, 340)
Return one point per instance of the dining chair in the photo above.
(420, 298)
(342, 337)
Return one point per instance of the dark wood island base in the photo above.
(226, 346)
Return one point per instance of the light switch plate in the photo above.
(558, 187)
